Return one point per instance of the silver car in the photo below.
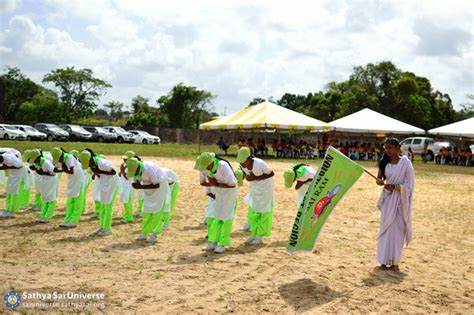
(8, 132)
(31, 132)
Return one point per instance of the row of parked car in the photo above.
(66, 132)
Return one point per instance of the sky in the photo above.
(238, 50)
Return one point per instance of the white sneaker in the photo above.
(22, 207)
(250, 240)
(246, 227)
(104, 232)
(140, 237)
(94, 216)
(99, 230)
(64, 224)
(35, 208)
(9, 214)
(166, 226)
(151, 239)
(3, 214)
(210, 246)
(257, 241)
(137, 214)
(71, 225)
(125, 221)
(219, 249)
(43, 220)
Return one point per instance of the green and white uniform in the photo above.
(126, 197)
(303, 173)
(154, 200)
(76, 190)
(17, 177)
(106, 191)
(260, 200)
(48, 188)
(211, 202)
(173, 182)
(225, 204)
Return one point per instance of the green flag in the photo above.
(336, 174)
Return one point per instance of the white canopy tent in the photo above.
(367, 121)
(463, 128)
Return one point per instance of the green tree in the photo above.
(467, 109)
(256, 100)
(115, 109)
(43, 107)
(15, 88)
(139, 102)
(79, 90)
(184, 106)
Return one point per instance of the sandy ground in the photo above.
(175, 276)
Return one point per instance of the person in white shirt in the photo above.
(260, 197)
(222, 179)
(47, 184)
(154, 183)
(17, 177)
(75, 193)
(173, 182)
(107, 183)
(302, 174)
(126, 190)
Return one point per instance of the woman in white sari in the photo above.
(395, 204)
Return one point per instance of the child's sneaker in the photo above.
(257, 241)
(104, 232)
(140, 237)
(246, 227)
(250, 240)
(210, 246)
(219, 249)
(151, 239)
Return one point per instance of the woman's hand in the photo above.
(379, 181)
(389, 187)
(212, 181)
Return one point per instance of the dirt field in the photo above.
(175, 276)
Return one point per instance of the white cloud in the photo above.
(241, 49)
(7, 6)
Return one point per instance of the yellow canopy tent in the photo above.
(266, 115)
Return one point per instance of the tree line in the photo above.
(76, 95)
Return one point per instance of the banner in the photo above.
(335, 176)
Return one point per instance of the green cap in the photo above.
(203, 161)
(74, 153)
(239, 174)
(289, 176)
(56, 153)
(132, 166)
(34, 154)
(243, 154)
(127, 155)
(26, 155)
(84, 158)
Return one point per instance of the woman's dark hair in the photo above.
(385, 159)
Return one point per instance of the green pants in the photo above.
(128, 210)
(140, 205)
(219, 232)
(98, 207)
(74, 207)
(174, 195)
(106, 213)
(47, 209)
(37, 201)
(88, 183)
(261, 223)
(25, 197)
(250, 217)
(152, 223)
(13, 202)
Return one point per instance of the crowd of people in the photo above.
(456, 156)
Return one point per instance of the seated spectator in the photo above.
(424, 153)
(455, 157)
(439, 156)
(411, 154)
(275, 148)
(222, 145)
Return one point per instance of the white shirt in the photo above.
(105, 165)
(309, 174)
(71, 161)
(152, 174)
(48, 167)
(172, 177)
(225, 175)
(259, 168)
(9, 159)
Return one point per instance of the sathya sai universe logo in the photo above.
(12, 299)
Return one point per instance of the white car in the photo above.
(31, 132)
(8, 132)
(144, 137)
